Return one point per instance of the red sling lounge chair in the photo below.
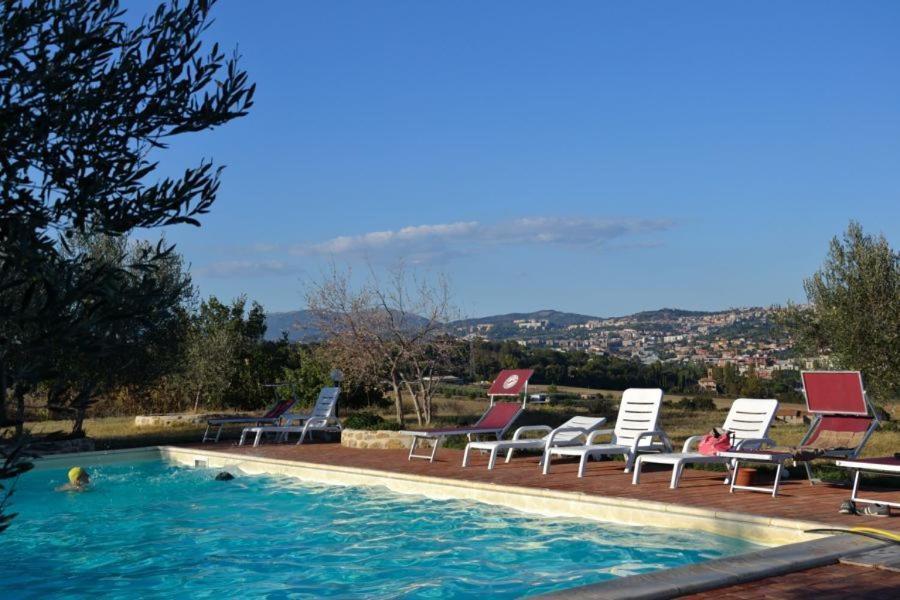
(843, 421)
(494, 422)
(272, 416)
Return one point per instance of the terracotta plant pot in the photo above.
(745, 477)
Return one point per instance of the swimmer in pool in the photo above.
(78, 481)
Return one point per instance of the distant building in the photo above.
(707, 384)
(531, 323)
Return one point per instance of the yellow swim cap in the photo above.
(76, 473)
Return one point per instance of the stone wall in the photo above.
(379, 440)
(172, 420)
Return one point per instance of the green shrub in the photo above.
(696, 404)
(369, 421)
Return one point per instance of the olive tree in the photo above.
(88, 98)
(853, 310)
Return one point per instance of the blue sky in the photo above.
(595, 157)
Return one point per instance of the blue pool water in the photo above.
(152, 530)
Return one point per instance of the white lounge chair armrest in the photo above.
(652, 434)
(291, 417)
(558, 430)
(694, 439)
(527, 428)
(754, 443)
(597, 433)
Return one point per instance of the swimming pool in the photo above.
(151, 529)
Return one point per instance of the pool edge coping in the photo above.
(769, 531)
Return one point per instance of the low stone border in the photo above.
(171, 420)
(381, 439)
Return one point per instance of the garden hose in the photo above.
(869, 532)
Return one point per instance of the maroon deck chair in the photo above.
(494, 422)
(843, 417)
(843, 421)
(272, 416)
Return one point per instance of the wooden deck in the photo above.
(833, 582)
(796, 499)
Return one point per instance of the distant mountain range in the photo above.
(300, 324)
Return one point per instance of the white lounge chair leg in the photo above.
(582, 464)
(259, 434)
(303, 433)
(777, 479)
(243, 437)
(636, 478)
(629, 462)
(412, 447)
(676, 474)
(206, 433)
(493, 458)
(509, 454)
(466, 456)
(809, 473)
(434, 449)
(547, 462)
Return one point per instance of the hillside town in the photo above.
(746, 338)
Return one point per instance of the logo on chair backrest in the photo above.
(510, 381)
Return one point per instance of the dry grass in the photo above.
(120, 432)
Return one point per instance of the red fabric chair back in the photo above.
(834, 392)
(510, 382)
(279, 409)
(500, 415)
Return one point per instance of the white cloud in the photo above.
(382, 239)
(437, 243)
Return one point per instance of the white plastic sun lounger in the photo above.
(748, 421)
(320, 419)
(635, 430)
(569, 433)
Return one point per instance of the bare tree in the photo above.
(392, 329)
(416, 312)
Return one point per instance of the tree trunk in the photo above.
(197, 399)
(416, 404)
(82, 401)
(398, 399)
(19, 393)
(2, 392)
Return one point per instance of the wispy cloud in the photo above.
(245, 268)
(436, 243)
(407, 236)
